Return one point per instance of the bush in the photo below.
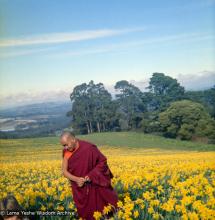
(185, 119)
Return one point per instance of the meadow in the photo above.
(156, 178)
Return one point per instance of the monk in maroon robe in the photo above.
(86, 167)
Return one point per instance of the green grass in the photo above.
(122, 139)
(141, 140)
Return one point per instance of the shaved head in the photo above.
(67, 134)
(68, 140)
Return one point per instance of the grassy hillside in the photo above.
(122, 139)
(140, 140)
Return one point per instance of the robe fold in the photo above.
(87, 160)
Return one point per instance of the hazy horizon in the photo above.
(201, 81)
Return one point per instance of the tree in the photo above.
(210, 100)
(185, 119)
(206, 97)
(81, 114)
(165, 85)
(91, 108)
(164, 90)
(101, 101)
(130, 105)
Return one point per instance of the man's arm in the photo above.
(100, 174)
(79, 180)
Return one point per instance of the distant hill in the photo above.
(36, 109)
(34, 120)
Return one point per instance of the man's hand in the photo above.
(87, 179)
(80, 181)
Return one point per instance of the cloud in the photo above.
(197, 81)
(23, 52)
(26, 98)
(56, 38)
(86, 52)
(142, 84)
(55, 52)
(193, 81)
(185, 37)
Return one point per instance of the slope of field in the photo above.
(152, 182)
(117, 139)
(141, 140)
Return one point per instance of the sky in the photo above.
(48, 47)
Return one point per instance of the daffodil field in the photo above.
(151, 183)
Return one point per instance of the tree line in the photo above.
(165, 108)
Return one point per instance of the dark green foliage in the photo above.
(161, 85)
(130, 105)
(163, 90)
(92, 108)
(150, 123)
(186, 119)
(206, 97)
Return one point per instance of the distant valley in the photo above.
(34, 120)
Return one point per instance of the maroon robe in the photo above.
(87, 160)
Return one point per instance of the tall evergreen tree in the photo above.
(91, 108)
(130, 105)
(164, 90)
